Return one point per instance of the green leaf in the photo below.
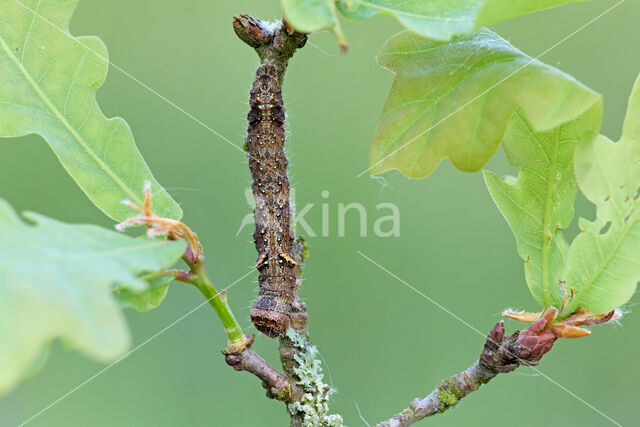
(443, 19)
(48, 84)
(308, 16)
(455, 99)
(149, 298)
(494, 11)
(56, 281)
(604, 264)
(539, 205)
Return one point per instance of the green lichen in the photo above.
(314, 404)
(283, 394)
(447, 399)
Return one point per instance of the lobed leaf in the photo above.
(454, 99)
(56, 281)
(444, 19)
(308, 16)
(603, 266)
(539, 204)
(48, 84)
(150, 298)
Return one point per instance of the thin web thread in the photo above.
(133, 350)
(449, 312)
(144, 85)
(517, 70)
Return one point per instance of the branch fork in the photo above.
(278, 386)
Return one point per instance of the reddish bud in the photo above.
(232, 359)
(533, 343)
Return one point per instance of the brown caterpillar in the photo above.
(277, 302)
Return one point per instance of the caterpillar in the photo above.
(277, 302)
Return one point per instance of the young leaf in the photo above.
(443, 19)
(539, 205)
(56, 282)
(455, 99)
(603, 267)
(308, 16)
(48, 83)
(149, 298)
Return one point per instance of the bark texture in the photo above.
(278, 386)
(500, 355)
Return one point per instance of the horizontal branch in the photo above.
(500, 355)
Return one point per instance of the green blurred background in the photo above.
(383, 344)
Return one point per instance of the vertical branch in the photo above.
(277, 307)
(277, 311)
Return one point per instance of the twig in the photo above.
(277, 312)
(278, 386)
(500, 355)
(238, 353)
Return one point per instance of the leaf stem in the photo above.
(218, 300)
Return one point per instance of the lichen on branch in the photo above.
(501, 354)
(277, 311)
(314, 404)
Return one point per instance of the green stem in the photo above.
(218, 300)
